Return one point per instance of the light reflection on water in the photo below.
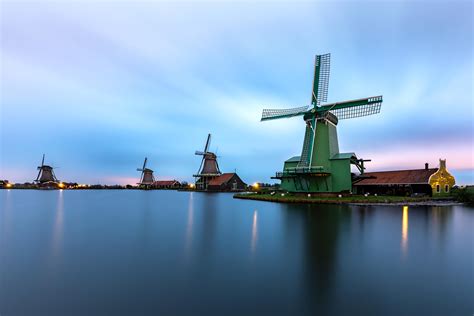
(405, 230)
(253, 244)
(58, 226)
(190, 223)
(121, 252)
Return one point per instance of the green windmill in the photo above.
(321, 167)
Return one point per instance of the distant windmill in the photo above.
(45, 173)
(146, 177)
(209, 168)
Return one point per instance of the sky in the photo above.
(99, 85)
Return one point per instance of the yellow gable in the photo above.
(441, 181)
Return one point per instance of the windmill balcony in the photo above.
(310, 171)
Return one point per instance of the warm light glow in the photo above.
(405, 229)
(191, 185)
(61, 185)
(255, 185)
(8, 185)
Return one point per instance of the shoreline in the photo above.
(351, 200)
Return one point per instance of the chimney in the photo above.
(426, 166)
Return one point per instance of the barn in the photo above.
(429, 181)
(226, 182)
(166, 184)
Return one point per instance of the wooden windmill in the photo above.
(45, 173)
(209, 168)
(146, 178)
(321, 167)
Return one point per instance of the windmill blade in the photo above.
(208, 143)
(42, 161)
(322, 67)
(353, 108)
(138, 169)
(199, 153)
(273, 114)
(39, 173)
(202, 162)
(54, 176)
(144, 163)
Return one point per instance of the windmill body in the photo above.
(45, 173)
(321, 167)
(209, 168)
(146, 178)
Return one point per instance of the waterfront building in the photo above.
(227, 182)
(428, 181)
(166, 184)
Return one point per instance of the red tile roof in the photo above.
(223, 178)
(417, 176)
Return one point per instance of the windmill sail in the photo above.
(322, 67)
(273, 114)
(307, 146)
(354, 108)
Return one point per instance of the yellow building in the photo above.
(441, 181)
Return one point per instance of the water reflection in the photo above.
(190, 223)
(440, 217)
(58, 227)
(405, 230)
(209, 209)
(5, 216)
(253, 244)
(321, 227)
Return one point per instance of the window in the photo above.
(446, 188)
(438, 189)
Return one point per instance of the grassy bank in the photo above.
(357, 199)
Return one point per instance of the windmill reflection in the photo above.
(322, 226)
(200, 239)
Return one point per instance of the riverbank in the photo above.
(352, 199)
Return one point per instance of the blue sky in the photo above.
(98, 86)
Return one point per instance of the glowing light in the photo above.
(405, 229)
(192, 186)
(61, 185)
(255, 185)
(8, 185)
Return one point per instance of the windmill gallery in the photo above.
(320, 168)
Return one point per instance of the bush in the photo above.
(464, 194)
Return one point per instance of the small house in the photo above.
(166, 184)
(226, 182)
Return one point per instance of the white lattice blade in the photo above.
(272, 114)
(357, 111)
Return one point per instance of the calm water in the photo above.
(177, 253)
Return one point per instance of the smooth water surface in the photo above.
(130, 252)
